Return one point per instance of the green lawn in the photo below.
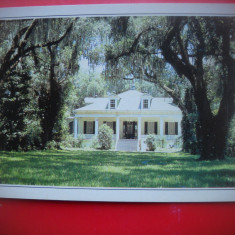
(114, 169)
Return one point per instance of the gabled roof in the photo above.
(98, 104)
(160, 104)
(129, 101)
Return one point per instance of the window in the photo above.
(171, 128)
(89, 127)
(145, 104)
(150, 128)
(112, 104)
(112, 125)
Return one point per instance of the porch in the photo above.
(130, 127)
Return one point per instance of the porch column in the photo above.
(161, 126)
(139, 127)
(75, 128)
(117, 128)
(79, 126)
(139, 133)
(96, 126)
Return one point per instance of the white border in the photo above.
(117, 194)
(118, 9)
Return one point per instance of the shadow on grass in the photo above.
(113, 169)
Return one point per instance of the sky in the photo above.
(85, 66)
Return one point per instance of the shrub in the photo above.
(105, 136)
(52, 145)
(77, 143)
(161, 142)
(29, 142)
(151, 142)
(178, 142)
(95, 143)
(70, 142)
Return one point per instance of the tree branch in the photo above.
(51, 43)
(227, 104)
(20, 41)
(184, 54)
(172, 58)
(200, 50)
(15, 45)
(132, 48)
(173, 94)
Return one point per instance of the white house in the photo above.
(132, 115)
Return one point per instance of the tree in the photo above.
(24, 44)
(86, 84)
(58, 63)
(230, 149)
(14, 98)
(192, 46)
(33, 43)
(50, 49)
(189, 124)
(213, 127)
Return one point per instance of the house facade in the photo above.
(131, 115)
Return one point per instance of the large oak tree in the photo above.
(201, 52)
(30, 50)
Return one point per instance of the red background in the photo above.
(59, 217)
(53, 217)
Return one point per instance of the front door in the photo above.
(130, 130)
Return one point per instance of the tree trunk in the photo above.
(45, 116)
(51, 106)
(213, 140)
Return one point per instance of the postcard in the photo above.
(118, 102)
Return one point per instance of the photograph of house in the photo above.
(119, 101)
(132, 116)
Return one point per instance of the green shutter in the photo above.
(155, 128)
(84, 130)
(114, 127)
(124, 128)
(166, 128)
(145, 128)
(176, 128)
(93, 127)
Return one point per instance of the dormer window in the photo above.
(112, 103)
(145, 103)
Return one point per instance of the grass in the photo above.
(114, 169)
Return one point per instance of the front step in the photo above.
(127, 145)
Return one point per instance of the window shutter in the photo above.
(155, 128)
(166, 128)
(84, 131)
(176, 128)
(124, 128)
(114, 127)
(93, 127)
(71, 128)
(146, 128)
